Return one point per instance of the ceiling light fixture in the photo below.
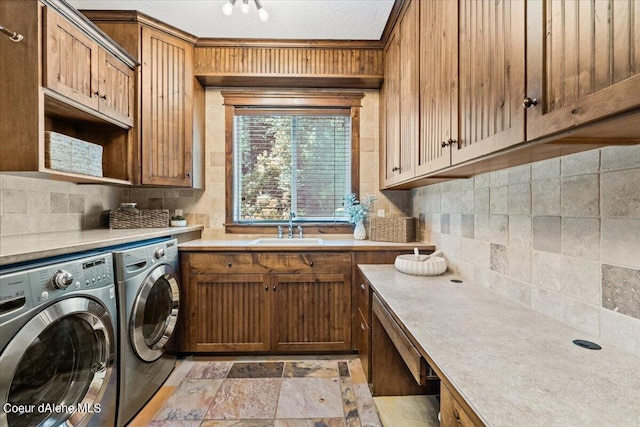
(227, 9)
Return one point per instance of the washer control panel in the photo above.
(38, 284)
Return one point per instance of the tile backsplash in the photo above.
(561, 236)
(34, 205)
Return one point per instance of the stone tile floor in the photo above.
(296, 391)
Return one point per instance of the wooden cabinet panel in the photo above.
(71, 61)
(229, 312)
(452, 414)
(491, 77)
(267, 301)
(400, 103)
(311, 312)
(363, 344)
(116, 88)
(438, 85)
(583, 62)
(409, 83)
(391, 90)
(167, 96)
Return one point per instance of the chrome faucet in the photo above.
(291, 216)
(300, 231)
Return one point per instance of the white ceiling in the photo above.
(288, 19)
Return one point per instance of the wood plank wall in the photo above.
(245, 63)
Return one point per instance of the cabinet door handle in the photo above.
(362, 326)
(188, 174)
(104, 97)
(310, 263)
(266, 288)
(529, 102)
(229, 264)
(443, 144)
(274, 288)
(451, 141)
(96, 93)
(362, 286)
(395, 169)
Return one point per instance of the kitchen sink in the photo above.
(273, 241)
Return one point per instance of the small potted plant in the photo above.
(178, 221)
(357, 213)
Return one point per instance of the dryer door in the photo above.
(56, 369)
(154, 313)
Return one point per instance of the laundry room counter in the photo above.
(29, 247)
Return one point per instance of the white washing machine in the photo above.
(148, 301)
(58, 347)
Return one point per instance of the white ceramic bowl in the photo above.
(418, 266)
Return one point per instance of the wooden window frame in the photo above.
(289, 99)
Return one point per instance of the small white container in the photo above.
(178, 222)
(421, 265)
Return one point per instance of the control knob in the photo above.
(61, 279)
(159, 253)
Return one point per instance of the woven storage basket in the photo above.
(68, 154)
(139, 219)
(393, 229)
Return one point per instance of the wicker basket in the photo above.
(393, 229)
(139, 218)
(68, 154)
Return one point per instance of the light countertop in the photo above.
(28, 247)
(513, 365)
(330, 243)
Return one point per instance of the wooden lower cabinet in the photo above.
(228, 312)
(452, 412)
(258, 302)
(311, 312)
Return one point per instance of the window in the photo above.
(295, 153)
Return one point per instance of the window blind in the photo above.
(296, 160)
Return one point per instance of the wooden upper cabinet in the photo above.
(391, 113)
(409, 81)
(78, 68)
(438, 84)
(167, 109)
(401, 100)
(491, 77)
(116, 88)
(583, 62)
(71, 61)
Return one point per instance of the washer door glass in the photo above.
(155, 312)
(63, 371)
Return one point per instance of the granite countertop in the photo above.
(28, 247)
(330, 243)
(513, 365)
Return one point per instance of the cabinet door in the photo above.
(229, 312)
(116, 88)
(438, 84)
(491, 78)
(312, 312)
(167, 121)
(71, 61)
(452, 414)
(409, 83)
(392, 109)
(583, 62)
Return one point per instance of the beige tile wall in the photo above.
(33, 205)
(561, 236)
